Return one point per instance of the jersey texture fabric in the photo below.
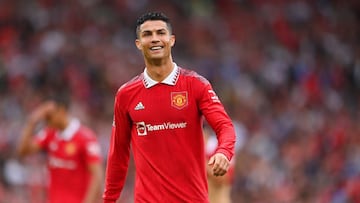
(69, 153)
(163, 123)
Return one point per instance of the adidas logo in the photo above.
(139, 106)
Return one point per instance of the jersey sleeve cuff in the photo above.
(226, 153)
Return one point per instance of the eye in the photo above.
(162, 32)
(145, 34)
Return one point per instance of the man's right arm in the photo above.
(27, 144)
(118, 154)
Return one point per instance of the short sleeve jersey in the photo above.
(69, 154)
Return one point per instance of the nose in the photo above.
(154, 37)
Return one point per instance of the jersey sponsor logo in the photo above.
(213, 96)
(143, 128)
(56, 162)
(179, 100)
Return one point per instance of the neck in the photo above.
(64, 123)
(158, 70)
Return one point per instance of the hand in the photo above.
(220, 164)
(41, 112)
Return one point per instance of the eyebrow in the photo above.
(157, 30)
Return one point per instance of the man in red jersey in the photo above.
(160, 113)
(73, 152)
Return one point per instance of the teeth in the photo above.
(155, 48)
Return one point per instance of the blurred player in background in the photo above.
(73, 152)
(160, 112)
(219, 186)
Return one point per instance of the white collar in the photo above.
(169, 80)
(70, 130)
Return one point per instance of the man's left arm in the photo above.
(93, 193)
(95, 168)
(219, 120)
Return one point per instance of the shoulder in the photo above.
(88, 141)
(86, 133)
(134, 82)
(193, 75)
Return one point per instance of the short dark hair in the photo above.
(60, 99)
(152, 16)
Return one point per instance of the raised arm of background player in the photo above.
(27, 145)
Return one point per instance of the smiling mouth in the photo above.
(156, 48)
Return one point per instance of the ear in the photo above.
(172, 40)
(138, 44)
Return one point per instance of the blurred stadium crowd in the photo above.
(287, 71)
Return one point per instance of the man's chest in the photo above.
(63, 154)
(162, 104)
(64, 148)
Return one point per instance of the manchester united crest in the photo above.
(179, 100)
(70, 148)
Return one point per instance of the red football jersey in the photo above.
(69, 153)
(163, 123)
